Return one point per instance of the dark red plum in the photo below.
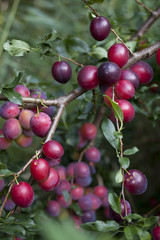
(27, 133)
(101, 191)
(93, 154)
(40, 170)
(77, 192)
(12, 129)
(4, 142)
(103, 87)
(9, 205)
(88, 131)
(71, 169)
(84, 182)
(53, 208)
(37, 93)
(22, 90)
(118, 53)
(61, 172)
(156, 233)
(124, 89)
(51, 182)
(87, 77)
(127, 109)
(61, 72)
(135, 182)
(82, 170)
(96, 201)
(40, 124)
(25, 118)
(144, 72)
(22, 194)
(53, 149)
(109, 73)
(100, 28)
(9, 110)
(48, 110)
(88, 216)
(128, 74)
(85, 203)
(24, 141)
(53, 162)
(63, 185)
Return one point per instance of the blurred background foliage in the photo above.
(36, 19)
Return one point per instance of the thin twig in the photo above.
(69, 59)
(148, 9)
(147, 24)
(114, 32)
(91, 8)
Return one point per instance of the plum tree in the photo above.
(79, 170)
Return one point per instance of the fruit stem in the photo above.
(121, 154)
(114, 32)
(91, 8)
(69, 59)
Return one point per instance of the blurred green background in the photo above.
(35, 19)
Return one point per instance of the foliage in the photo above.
(41, 32)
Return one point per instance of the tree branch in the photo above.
(147, 24)
(145, 53)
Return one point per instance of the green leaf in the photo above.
(51, 37)
(143, 235)
(130, 151)
(108, 130)
(130, 232)
(66, 195)
(12, 229)
(131, 45)
(90, 2)
(76, 208)
(99, 52)
(117, 111)
(76, 45)
(119, 176)
(124, 162)
(15, 81)
(12, 95)
(114, 202)
(6, 172)
(133, 216)
(101, 226)
(147, 222)
(16, 47)
(65, 230)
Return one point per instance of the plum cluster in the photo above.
(72, 184)
(21, 124)
(109, 74)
